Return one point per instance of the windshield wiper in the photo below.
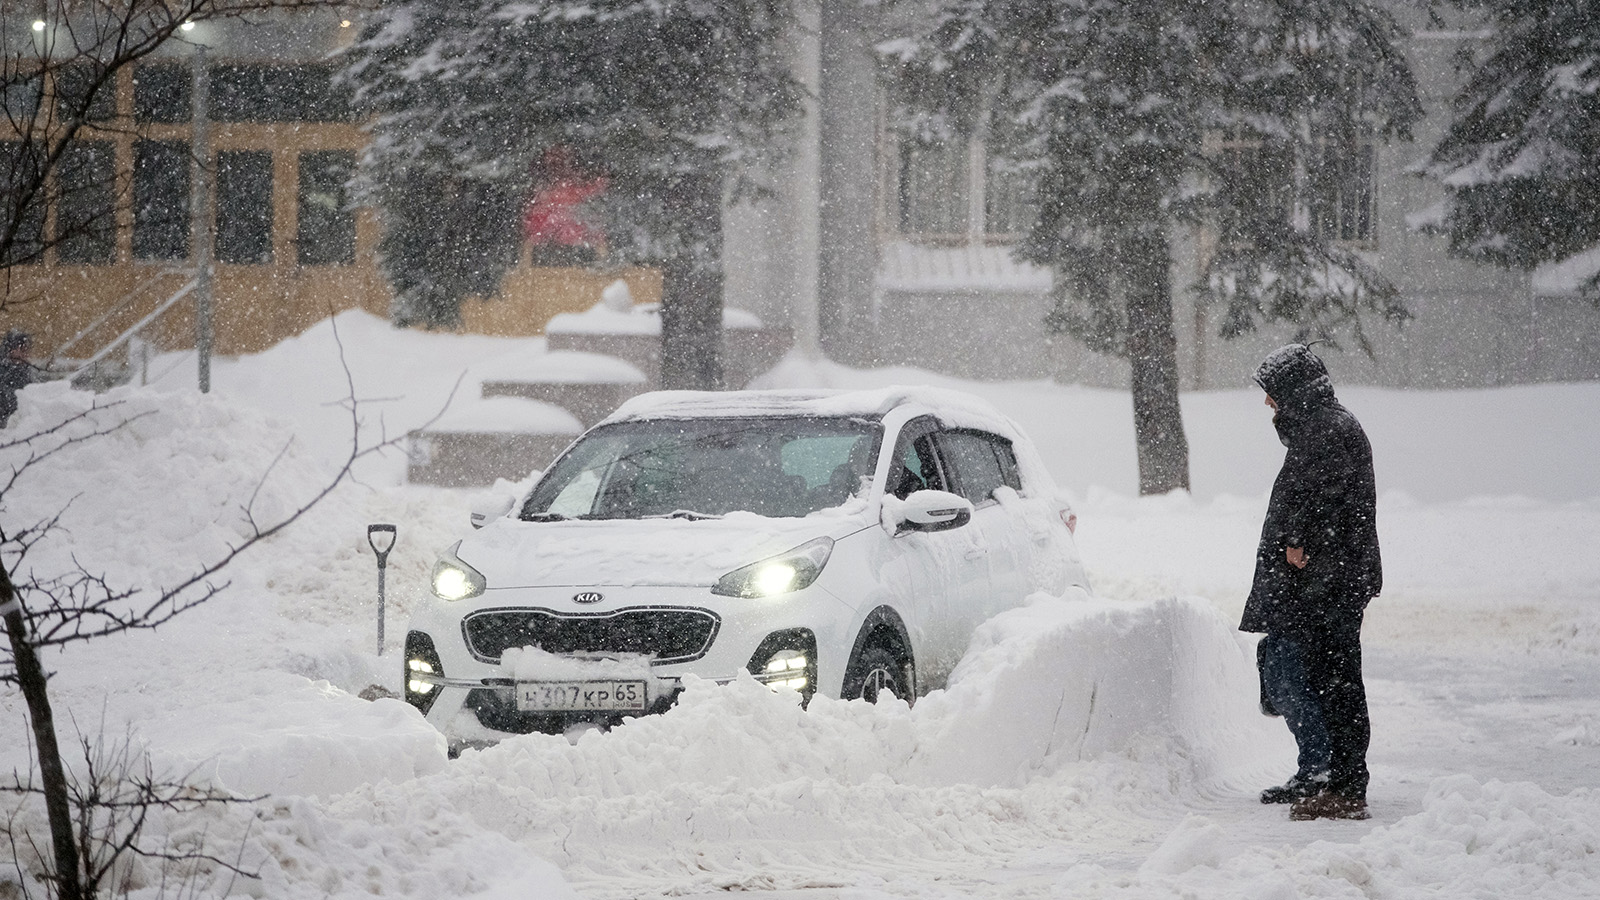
(689, 514)
(544, 517)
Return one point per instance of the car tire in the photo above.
(877, 669)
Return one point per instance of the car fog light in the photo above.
(786, 669)
(417, 685)
(423, 673)
(786, 661)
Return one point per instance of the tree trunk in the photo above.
(691, 291)
(31, 678)
(1153, 353)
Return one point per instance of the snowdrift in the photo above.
(1057, 682)
(1088, 749)
(739, 787)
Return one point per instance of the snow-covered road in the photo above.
(1106, 750)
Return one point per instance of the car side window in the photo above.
(1009, 473)
(918, 459)
(978, 469)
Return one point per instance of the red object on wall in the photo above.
(552, 215)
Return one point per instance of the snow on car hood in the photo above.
(624, 552)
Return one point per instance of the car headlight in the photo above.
(454, 579)
(781, 574)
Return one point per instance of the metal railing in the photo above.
(121, 306)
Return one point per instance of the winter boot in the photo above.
(1329, 805)
(1296, 788)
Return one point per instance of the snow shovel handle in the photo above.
(383, 552)
(383, 560)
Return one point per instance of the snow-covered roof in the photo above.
(643, 319)
(507, 415)
(955, 407)
(559, 367)
(917, 267)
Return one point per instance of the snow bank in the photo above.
(738, 787)
(175, 480)
(1104, 749)
(1056, 682)
(235, 689)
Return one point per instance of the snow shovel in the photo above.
(373, 539)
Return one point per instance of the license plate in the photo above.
(551, 696)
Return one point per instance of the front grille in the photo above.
(665, 635)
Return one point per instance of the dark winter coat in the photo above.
(14, 376)
(1325, 501)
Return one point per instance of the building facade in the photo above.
(874, 251)
(911, 248)
(260, 99)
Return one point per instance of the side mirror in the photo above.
(932, 511)
(488, 511)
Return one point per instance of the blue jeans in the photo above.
(1288, 690)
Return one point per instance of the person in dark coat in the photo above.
(1317, 567)
(16, 372)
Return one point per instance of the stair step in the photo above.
(588, 403)
(489, 438)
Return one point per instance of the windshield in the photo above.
(695, 468)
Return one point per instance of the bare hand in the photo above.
(1296, 557)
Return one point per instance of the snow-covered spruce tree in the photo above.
(1521, 156)
(1119, 110)
(667, 100)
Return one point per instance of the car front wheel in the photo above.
(877, 669)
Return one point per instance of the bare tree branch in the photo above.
(94, 826)
(100, 39)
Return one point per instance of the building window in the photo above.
(85, 203)
(161, 200)
(1331, 192)
(1257, 185)
(162, 92)
(932, 195)
(20, 168)
(327, 223)
(244, 206)
(1009, 205)
(277, 93)
(74, 84)
(1340, 192)
(960, 189)
(20, 95)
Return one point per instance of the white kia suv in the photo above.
(841, 542)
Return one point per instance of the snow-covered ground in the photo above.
(1104, 750)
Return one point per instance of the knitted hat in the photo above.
(1290, 372)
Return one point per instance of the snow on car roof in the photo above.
(955, 408)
